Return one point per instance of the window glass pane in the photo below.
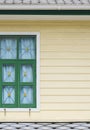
(27, 48)
(26, 73)
(8, 49)
(8, 73)
(26, 95)
(8, 95)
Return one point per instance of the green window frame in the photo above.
(18, 85)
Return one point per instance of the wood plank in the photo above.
(65, 63)
(65, 99)
(70, 35)
(65, 84)
(66, 106)
(65, 29)
(65, 42)
(58, 77)
(59, 55)
(57, 46)
(65, 70)
(64, 92)
(41, 116)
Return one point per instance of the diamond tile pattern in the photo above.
(45, 2)
(44, 126)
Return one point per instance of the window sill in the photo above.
(19, 109)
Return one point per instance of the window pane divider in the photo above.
(26, 84)
(8, 83)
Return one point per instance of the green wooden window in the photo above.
(18, 71)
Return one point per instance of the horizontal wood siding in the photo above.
(64, 70)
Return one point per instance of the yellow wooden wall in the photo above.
(64, 70)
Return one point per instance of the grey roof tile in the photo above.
(60, 1)
(45, 126)
(45, 4)
(36, 2)
(43, 1)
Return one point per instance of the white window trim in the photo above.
(38, 71)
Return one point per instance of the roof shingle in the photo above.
(45, 126)
(57, 2)
(45, 4)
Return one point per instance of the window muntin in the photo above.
(18, 71)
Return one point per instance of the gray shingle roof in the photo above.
(45, 4)
(45, 126)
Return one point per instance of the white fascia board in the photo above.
(45, 17)
(45, 7)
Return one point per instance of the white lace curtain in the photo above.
(8, 48)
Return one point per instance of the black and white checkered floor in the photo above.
(44, 126)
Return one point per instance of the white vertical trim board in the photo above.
(37, 70)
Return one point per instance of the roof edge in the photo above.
(45, 7)
(44, 12)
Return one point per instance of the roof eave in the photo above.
(45, 7)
